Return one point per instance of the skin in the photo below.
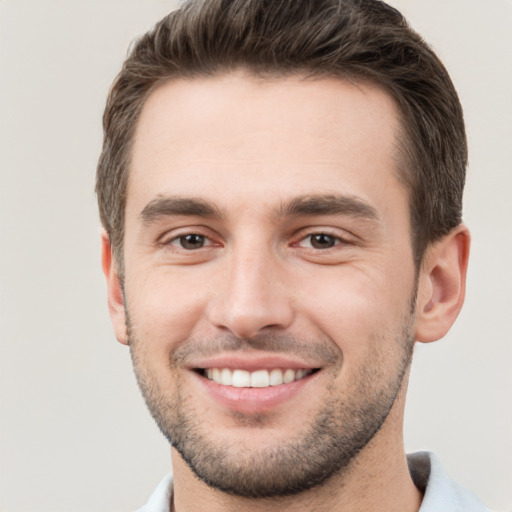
(247, 150)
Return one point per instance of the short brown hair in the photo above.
(359, 40)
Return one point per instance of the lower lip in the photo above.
(253, 400)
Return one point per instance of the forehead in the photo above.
(218, 135)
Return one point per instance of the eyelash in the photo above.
(179, 241)
(335, 239)
(182, 237)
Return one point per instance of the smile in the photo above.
(255, 379)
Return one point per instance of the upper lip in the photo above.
(252, 362)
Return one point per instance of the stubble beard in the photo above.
(327, 446)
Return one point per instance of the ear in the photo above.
(442, 285)
(114, 290)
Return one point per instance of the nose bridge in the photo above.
(252, 296)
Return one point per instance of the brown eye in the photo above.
(192, 241)
(322, 241)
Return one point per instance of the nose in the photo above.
(253, 295)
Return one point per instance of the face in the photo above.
(269, 277)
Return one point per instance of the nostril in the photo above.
(246, 314)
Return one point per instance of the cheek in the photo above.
(164, 308)
(360, 311)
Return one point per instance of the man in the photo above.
(281, 188)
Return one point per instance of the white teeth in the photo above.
(276, 377)
(226, 377)
(260, 379)
(288, 376)
(256, 379)
(241, 379)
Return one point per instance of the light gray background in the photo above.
(74, 433)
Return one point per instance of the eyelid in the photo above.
(337, 242)
(174, 235)
(343, 236)
(175, 242)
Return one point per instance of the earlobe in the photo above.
(442, 285)
(114, 290)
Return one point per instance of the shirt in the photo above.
(441, 494)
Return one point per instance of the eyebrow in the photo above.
(302, 206)
(164, 206)
(329, 204)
